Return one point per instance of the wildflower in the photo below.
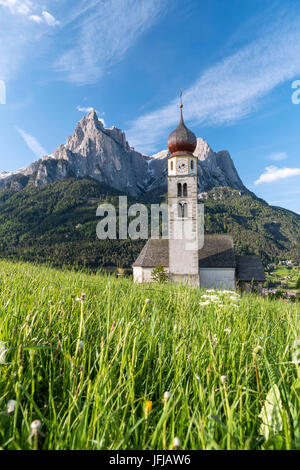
(197, 377)
(257, 349)
(210, 290)
(224, 379)
(227, 330)
(234, 297)
(81, 345)
(205, 303)
(147, 301)
(35, 427)
(50, 302)
(296, 352)
(2, 353)
(176, 443)
(36, 433)
(148, 408)
(11, 406)
(167, 396)
(214, 339)
(81, 298)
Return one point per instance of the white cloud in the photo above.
(50, 20)
(22, 7)
(26, 8)
(87, 110)
(277, 156)
(102, 34)
(32, 143)
(273, 173)
(36, 18)
(83, 109)
(231, 89)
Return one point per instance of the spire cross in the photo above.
(181, 105)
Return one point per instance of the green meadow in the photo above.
(92, 371)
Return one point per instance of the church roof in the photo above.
(217, 252)
(250, 268)
(155, 252)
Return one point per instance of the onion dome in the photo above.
(182, 140)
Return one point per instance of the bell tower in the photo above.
(183, 205)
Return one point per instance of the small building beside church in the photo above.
(214, 264)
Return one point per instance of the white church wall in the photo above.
(217, 278)
(144, 274)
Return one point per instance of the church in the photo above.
(204, 262)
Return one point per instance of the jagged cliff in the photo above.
(105, 155)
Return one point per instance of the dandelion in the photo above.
(148, 408)
(35, 426)
(36, 433)
(11, 406)
(176, 443)
(167, 396)
(257, 349)
(2, 353)
(147, 301)
(224, 379)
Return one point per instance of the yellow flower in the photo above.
(148, 408)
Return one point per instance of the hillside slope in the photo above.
(56, 223)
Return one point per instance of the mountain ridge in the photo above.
(105, 155)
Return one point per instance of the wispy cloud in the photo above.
(22, 7)
(277, 156)
(102, 33)
(32, 143)
(23, 25)
(50, 20)
(273, 173)
(232, 88)
(27, 9)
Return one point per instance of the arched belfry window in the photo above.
(182, 210)
(185, 190)
(192, 164)
(179, 189)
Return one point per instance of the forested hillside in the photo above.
(56, 223)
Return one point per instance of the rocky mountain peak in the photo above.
(104, 154)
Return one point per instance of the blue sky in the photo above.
(236, 61)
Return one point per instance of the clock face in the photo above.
(182, 166)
